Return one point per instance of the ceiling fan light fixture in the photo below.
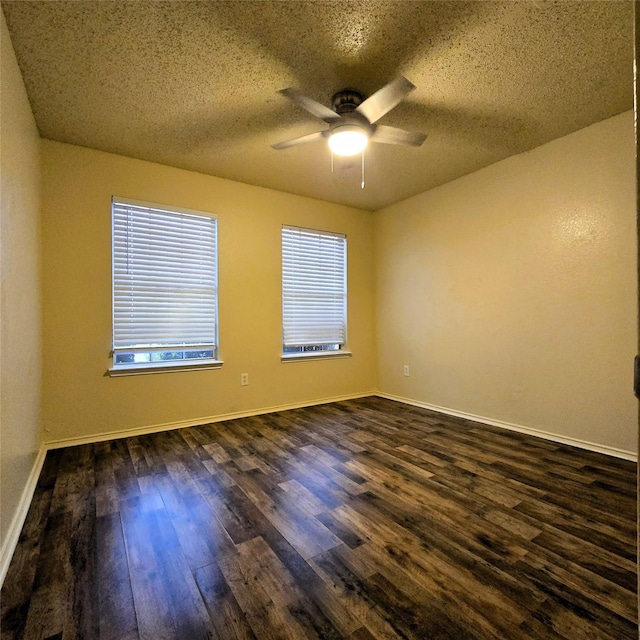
(348, 140)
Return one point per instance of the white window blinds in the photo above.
(164, 278)
(314, 287)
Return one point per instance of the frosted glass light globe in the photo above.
(348, 140)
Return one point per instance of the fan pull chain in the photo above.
(332, 162)
(362, 183)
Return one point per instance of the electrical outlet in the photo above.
(244, 379)
(405, 370)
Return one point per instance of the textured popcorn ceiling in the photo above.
(193, 84)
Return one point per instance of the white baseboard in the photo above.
(181, 424)
(546, 435)
(11, 541)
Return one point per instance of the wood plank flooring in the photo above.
(362, 519)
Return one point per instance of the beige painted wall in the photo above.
(511, 292)
(20, 343)
(79, 400)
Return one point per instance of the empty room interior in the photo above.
(259, 383)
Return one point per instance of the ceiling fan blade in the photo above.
(312, 137)
(391, 135)
(383, 100)
(313, 107)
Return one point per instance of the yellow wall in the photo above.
(20, 343)
(511, 292)
(79, 400)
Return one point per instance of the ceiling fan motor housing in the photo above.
(345, 103)
(351, 120)
(347, 100)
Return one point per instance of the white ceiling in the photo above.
(193, 84)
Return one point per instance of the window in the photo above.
(164, 288)
(314, 293)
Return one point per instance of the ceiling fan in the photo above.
(353, 117)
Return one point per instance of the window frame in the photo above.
(172, 365)
(343, 350)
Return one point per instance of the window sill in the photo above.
(162, 367)
(318, 355)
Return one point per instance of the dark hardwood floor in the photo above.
(361, 519)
